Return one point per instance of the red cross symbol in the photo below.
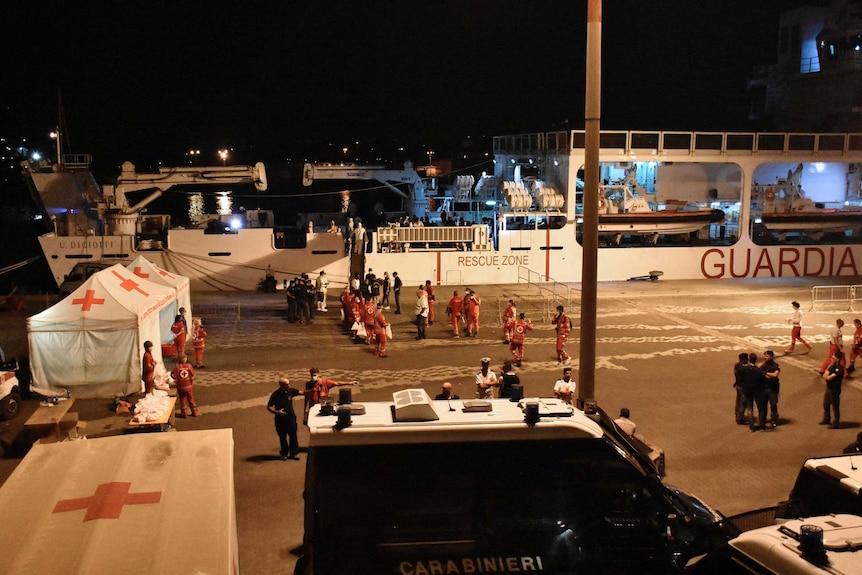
(89, 300)
(165, 274)
(108, 501)
(129, 284)
(140, 273)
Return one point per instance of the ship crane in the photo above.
(417, 200)
(166, 178)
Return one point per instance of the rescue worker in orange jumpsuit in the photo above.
(199, 334)
(509, 315)
(471, 305)
(148, 373)
(183, 373)
(454, 309)
(317, 388)
(429, 289)
(369, 310)
(179, 330)
(380, 325)
(563, 326)
(519, 335)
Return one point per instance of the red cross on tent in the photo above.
(129, 284)
(166, 274)
(108, 501)
(89, 300)
(140, 273)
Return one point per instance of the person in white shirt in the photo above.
(623, 422)
(836, 344)
(565, 388)
(486, 380)
(796, 331)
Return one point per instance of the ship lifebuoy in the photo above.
(603, 203)
(769, 195)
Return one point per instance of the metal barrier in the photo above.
(834, 295)
(552, 292)
(220, 310)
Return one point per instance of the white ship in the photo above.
(534, 235)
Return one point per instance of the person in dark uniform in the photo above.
(446, 392)
(834, 376)
(754, 388)
(771, 370)
(281, 406)
(739, 406)
(396, 289)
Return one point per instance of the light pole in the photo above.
(194, 156)
(223, 155)
(55, 135)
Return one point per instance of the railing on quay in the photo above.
(552, 292)
(838, 294)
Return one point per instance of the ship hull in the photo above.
(211, 262)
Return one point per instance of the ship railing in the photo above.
(657, 143)
(77, 161)
(842, 295)
(552, 292)
(454, 238)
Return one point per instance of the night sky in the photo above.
(283, 80)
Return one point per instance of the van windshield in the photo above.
(559, 506)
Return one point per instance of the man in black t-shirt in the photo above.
(773, 386)
(281, 406)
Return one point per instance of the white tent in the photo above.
(134, 504)
(144, 268)
(91, 342)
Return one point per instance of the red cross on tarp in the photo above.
(140, 272)
(108, 501)
(89, 300)
(165, 274)
(129, 284)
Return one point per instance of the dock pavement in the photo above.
(664, 349)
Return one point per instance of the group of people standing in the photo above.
(183, 372)
(305, 297)
(757, 384)
(363, 317)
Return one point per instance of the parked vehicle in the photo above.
(419, 486)
(828, 544)
(10, 393)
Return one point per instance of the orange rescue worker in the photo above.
(519, 335)
(369, 310)
(454, 309)
(509, 315)
(471, 304)
(148, 372)
(563, 325)
(179, 330)
(183, 373)
(380, 325)
(199, 334)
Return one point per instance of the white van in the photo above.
(420, 487)
(781, 549)
(825, 485)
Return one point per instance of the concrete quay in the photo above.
(664, 349)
